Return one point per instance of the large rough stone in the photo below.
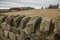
(9, 20)
(5, 26)
(4, 38)
(1, 38)
(34, 37)
(17, 20)
(2, 18)
(15, 30)
(32, 24)
(12, 36)
(23, 23)
(19, 37)
(1, 32)
(57, 27)
(6, 33)
(45, 25)
(0, 26)
(24, 35)
(38, 38)
(57, 37)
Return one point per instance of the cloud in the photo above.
(33, 3)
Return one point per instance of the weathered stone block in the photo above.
(12, 36)
(15, 30)
(19, 37)
(32, 24)
(45, 25)
(1, 38)
(17, 20)
(6, 33)
(36, 37)
(9, 20)
(2, 18)
(23, 23)
(57, 27)
(0, 26)
(5, 26)
(1, 32)
(4, 38)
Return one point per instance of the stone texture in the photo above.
(9, 20)
(23, 23)
(5, 26)
(32, 24)
(57, 27)
(1, 32)
(17, 20)
(45, 25)
(0, 26)
(34, 37)
(12, 36)
(15, 30)
(4, 38)
(6, 33)
(27, 28)
(19, 37)
(1, 38)
(2, 18)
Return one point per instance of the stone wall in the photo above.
(21, 27)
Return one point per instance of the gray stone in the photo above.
(12, 36)
(45, 25)
(4, 38)
(57, 27)
(2, 18)
(1, 38)
(5, 26)
(9, 20)
(17, 20)
(36, 37)
(23, 23)
(0, 26)
(6, 33)
(32, 24)
(15, 30)
(19, 37)
(1, 32)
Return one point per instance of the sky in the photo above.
(32, 3)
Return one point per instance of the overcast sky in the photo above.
(31, 3)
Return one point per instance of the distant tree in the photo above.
(54, 6)
(42, 8)
(58, 5)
